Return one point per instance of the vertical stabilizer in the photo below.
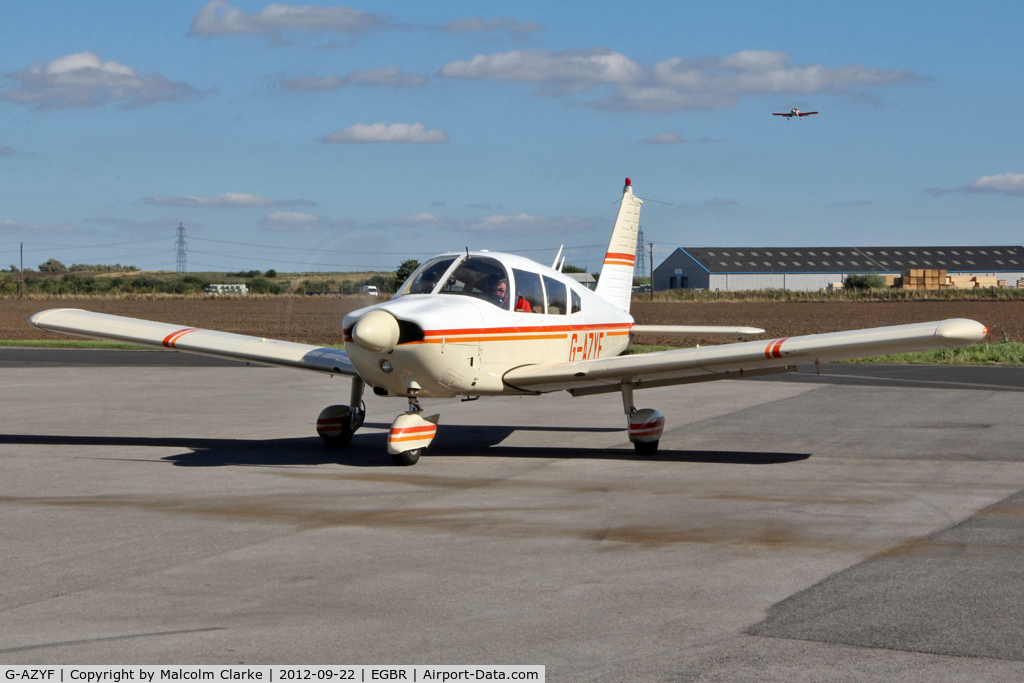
(616, 282)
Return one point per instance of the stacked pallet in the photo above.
(963, 281)
(924, 278)
(976, 281)
(987, 281)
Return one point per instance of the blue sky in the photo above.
(350, 137)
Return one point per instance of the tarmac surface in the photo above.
(862, 524)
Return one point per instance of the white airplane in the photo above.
(795, 112)
(484, 323)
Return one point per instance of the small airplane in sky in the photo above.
(481, 323)
(795, 112)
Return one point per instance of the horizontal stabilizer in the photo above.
(695, 331)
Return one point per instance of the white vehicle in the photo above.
(490, 324)
(370, 290)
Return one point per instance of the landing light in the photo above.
(385, 365)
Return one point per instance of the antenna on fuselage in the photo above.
(554, 264)
(561, 265)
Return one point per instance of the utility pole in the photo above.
(180, 265)
(652, 271)
(21, 269)
(639, 256)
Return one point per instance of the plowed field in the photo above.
(317, 320)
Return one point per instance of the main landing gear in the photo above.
(410, 433)
(337, 424)
(645, 425)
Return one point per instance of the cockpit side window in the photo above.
(577, 303)
(555, 291)
(482, 278)
(426, 277)
(529, 294)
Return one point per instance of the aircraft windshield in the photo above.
(426, 277)
(483, 278)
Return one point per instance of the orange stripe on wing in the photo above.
(172, 339)
(774, 348)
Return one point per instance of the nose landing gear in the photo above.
(410, 434)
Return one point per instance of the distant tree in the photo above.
(14, 268)
(261, 285)
(270, 273)
(572, 269)
(52, 266)
(404, 271)
(864, 281)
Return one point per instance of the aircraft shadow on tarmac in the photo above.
(369, 449)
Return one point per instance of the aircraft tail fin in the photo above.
(616, 282)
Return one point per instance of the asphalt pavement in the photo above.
(864, 523)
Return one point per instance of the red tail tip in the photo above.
(628, 182)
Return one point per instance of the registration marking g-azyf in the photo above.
(586, 348)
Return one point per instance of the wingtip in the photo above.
(960, 332)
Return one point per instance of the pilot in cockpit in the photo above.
(499, 292)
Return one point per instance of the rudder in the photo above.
(616, 282)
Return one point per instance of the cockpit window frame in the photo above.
(406, 287)
(489, 279)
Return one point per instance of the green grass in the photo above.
(1003, 353)
(69, 344)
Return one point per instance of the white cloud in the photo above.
(668, 138)
(523, 223)
(411, 133)
(391, 77)
(293, 221)
(85, 80)
(673, 84)
(498, 225)
(478, 25)
(10, 227)
(220, 17)
(228, 199)
(1005, 183)
(577, 69)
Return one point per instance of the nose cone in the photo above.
(960, 332)
(377, 332)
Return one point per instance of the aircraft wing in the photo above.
(695, 330)
(807, 113)
(193, 340)
(741, 359)
(783, 114)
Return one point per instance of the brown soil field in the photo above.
(317, 320)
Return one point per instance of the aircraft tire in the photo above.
(407, 458)
(646, 447)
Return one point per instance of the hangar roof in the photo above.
(857, 259)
